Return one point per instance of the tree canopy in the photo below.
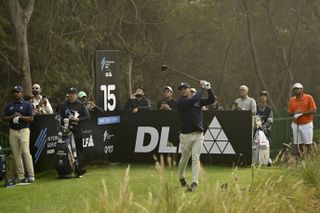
(265, 44)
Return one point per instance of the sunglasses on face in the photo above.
(35, 88)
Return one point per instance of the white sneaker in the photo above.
(30, 179)
(21, 181)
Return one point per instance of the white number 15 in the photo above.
(109, 99)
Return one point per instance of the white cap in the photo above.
(297, 85)
(244, 87)
(168, 88)
(193, 90)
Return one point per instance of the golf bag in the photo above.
(66, 161)
(260, 145)
(2, 164)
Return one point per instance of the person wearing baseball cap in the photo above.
(167, 102)
(19, 115)
(301, 108)
(193, 91)
(191, 129)
(91, 106)
(76, 112)
(265, 112)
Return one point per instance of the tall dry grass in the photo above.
(286, 193)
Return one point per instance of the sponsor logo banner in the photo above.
(108, 120)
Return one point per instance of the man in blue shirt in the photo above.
(19, 115)
(191, 129)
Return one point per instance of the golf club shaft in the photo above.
(298, 139)
(185, 74)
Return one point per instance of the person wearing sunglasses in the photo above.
(41, 104)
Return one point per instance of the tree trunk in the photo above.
(129, 72)
(253, 51)
(20, 19)
(287, 57)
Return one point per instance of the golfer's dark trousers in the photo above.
(78, 139)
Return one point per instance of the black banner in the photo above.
(107, 68)
(129, 137)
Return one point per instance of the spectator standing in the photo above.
(215, 106)
(77, 113)
(138, 102)
(245, 102)
(193, 91)
(91, 106)
(265, 112)
(167, 103)
(40, 103)
(19, 115)
(301, 108)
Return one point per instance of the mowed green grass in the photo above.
(50, 194)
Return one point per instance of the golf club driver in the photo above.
(166, 67)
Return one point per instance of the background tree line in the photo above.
(266, 44)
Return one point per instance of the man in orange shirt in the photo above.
(302, 107)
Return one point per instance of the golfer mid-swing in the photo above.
(191, 129)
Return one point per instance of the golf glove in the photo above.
(16, 120)
(207, 85)
(296, 116)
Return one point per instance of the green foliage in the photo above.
(138, 188)
(207, 39)
(316, 136)
(309, 171)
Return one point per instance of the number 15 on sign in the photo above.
(109, 98)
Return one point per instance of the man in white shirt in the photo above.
(245, 102)
(41, 104)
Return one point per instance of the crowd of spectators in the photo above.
(76, 106)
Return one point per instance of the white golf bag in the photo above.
(260, 145)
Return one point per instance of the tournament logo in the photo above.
(107, 136)
(216, 141)
(108, 148)
(106, 66)
(87, 142)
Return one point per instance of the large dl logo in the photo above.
(215, 140)
(154, 139)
